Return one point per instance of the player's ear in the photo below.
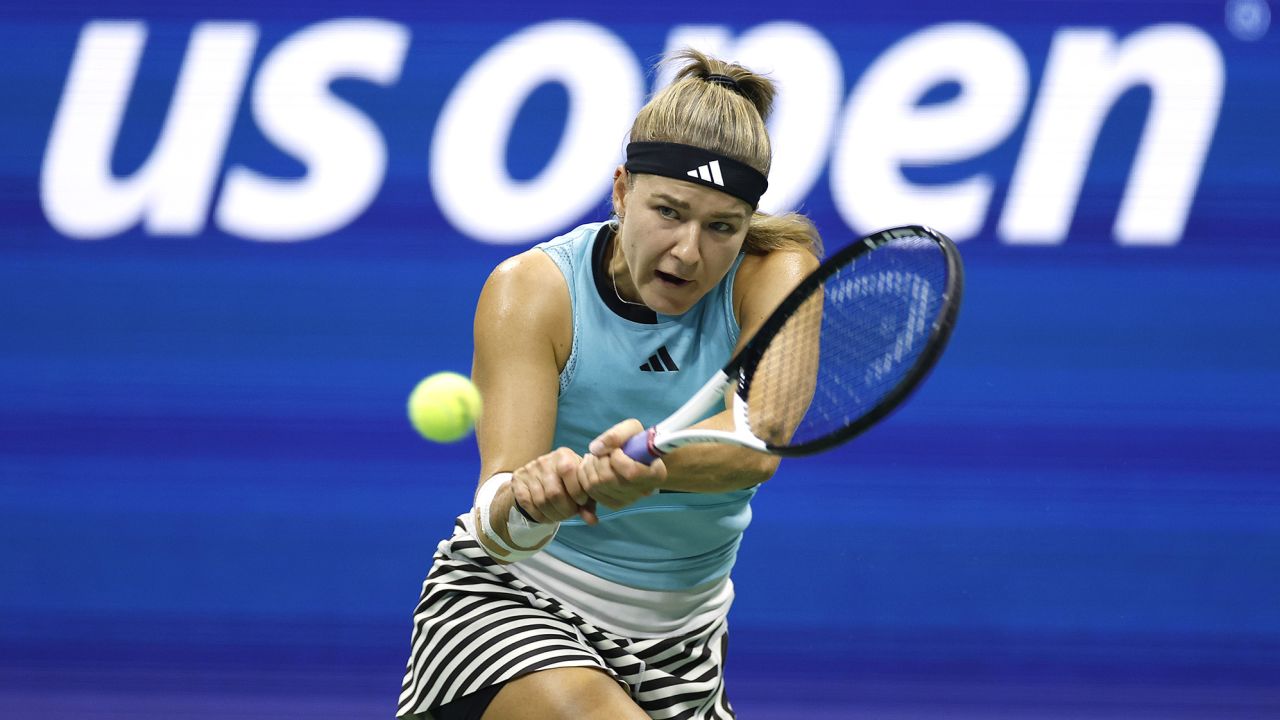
(620, 188)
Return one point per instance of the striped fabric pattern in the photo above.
(477, 625)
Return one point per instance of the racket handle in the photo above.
(640, 447)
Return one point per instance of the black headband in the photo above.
(699, 166)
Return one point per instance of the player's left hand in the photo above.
(612, 478)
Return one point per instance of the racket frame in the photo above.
(745, 363)
(674, 431)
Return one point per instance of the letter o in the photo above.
(468, 172)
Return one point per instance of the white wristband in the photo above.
(528, 535)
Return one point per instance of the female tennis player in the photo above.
(583, 584)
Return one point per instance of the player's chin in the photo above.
(674, 298)
(672, 306)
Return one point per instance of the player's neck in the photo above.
(617, 268)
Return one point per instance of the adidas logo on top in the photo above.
(709, 172)
(660, 361)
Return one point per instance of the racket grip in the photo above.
(640, 447)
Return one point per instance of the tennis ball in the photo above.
(444, 407)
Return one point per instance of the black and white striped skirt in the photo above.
(477, 625)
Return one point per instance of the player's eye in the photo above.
(723, 227)
(667, 212)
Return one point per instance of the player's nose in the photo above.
(686, 249)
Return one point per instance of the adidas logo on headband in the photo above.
(709, 168)
(709, 172)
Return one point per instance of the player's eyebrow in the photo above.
(682, 205)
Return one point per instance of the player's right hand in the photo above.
(548, 490)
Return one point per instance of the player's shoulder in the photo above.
(525, 292)
(766, 272)
(530, 271)
(790, 259)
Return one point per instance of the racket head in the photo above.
(856, 336)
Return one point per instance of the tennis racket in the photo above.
(846, 347)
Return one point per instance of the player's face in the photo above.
(678, 240)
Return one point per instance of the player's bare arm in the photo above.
(523, 335)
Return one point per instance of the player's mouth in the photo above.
(671, 280)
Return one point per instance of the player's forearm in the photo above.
(708, 468)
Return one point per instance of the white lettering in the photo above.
(468, 171)
(171, 192)
(345, 154)
(1087, 72)
(894, 127)
(884, 128)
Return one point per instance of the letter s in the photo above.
(343, 150)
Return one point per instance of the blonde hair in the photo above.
(730, 121)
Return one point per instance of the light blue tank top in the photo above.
(627, 361)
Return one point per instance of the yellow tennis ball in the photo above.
(444, 407)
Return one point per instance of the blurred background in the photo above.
(234, 235)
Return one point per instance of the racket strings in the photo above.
(850, 345)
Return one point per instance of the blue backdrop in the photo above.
(235, 235)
